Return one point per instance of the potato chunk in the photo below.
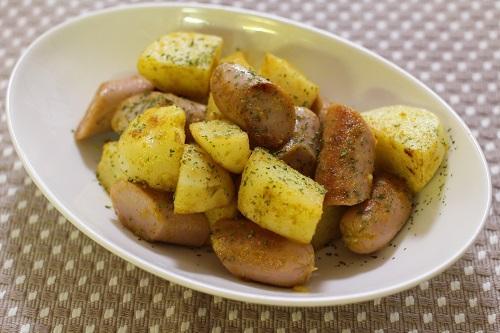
(109, 169)
(213, 112)
(292, 81)
(279, 198)
(328, 227)
(202, 185)
(181, 63)
(411, 142)
(227, 212)
(151, 147)
(237, 57)
(225, 142)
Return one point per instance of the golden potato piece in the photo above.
(202, 185)
(237, 57)
(411, 142)
(109, 169)
(181, 63)
(226, 212)
(279, 198)
(225, 142)
(328, 227)
(291, 80)
(151, 147)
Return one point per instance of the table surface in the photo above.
(55, 279)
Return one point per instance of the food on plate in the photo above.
(181, 63)
(98, 117)
(254, 103)
(213, 113)
(226, 212)
(301, 151)
(225, 142)
(346, 160)
(241, 167)
(151, 147)
(302, 91)
(109, 169)
(253, 253)
(135, 105)
(279, 198)
(328, 227)
(202, 184)
(150, 215)
(411, 142)
(371, 225)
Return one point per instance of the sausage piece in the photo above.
(346, 160)
(255, 104)
(150, 215)
(301, 151)
(98, 117)
(371, 225)
(137, 104)
(253, 253)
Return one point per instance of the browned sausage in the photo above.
(317, 105)
(255, 104)
(137, 104)
(371, 225)
(150, 215)
(301, 151)
(257, 254)
(98, 117)
(346, 160)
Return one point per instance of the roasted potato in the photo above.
(328, 227)
(151, 147)
(227, 212)
(237, 57)
(291, 80)
(225, 142)
(213, 112)
(411, 142)
(279, 198)
(255, 104)
(181, 63)
(202, 185)
(98, 117)
(135, 105)
(301, 151)
(371, 225)
(253, 253)
(149, 214)
(347, 157)
(109, 169)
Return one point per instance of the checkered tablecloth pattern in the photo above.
(55, 279)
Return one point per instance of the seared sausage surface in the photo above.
(301, 151)
(98, 117)
(254, 103)
(253, 253)
(150, 215)
(371, 225)
(346, 160)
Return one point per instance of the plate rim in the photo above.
(199, 285)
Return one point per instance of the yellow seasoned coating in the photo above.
(279, 198)
(279, 71)
(202, 185)
(109, 169)
(151, 147)
(181, 63)
(411, 142)
(225, 142)
(226, 212)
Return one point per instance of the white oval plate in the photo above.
(56, 77)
